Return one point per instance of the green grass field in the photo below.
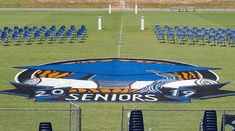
(136, 44)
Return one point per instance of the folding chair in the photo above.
(231, 40)
(27, 38)
(211, 40)
(181, 37)
(5, 39)
(171, 37)
(15, 39)
(84, 30)
(69, 35)
(35, 28)
(161, 37)
(201, 39)
(37, 37)
(221, 40)
(58, 35)
(48, 37)
(80, 36)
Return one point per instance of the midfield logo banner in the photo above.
(117, 80)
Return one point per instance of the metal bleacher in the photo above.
(136, 121)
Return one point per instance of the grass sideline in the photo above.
(137, 44)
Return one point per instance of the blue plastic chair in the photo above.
(221, 40)
(69, 35)
(5, 38)
(59, 35)
(27, 38)
(35, 28)
(171, 37)
(181, 37)
(15, 38)
(37, 37)
(16, 28)
(231, 40)
(161, 37)
(191, 37)
(5, 29)
(84, 30)
(48, 37)
(211, 40)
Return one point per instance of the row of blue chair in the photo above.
(40, 35)
(195, 35)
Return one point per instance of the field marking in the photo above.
(120, 35)
(121, 28)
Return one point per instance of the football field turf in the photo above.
(102, 44)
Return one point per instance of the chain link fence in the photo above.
(176, 120)
(28, 119)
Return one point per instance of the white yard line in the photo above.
(119, 50)
(120, 35)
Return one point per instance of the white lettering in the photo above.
(74, 97)
(99, 96)
(151, 98)
(87, 97)
(137, 97)
(114, 97)
(188, 93)
(125, 97)
(174, 92)
(41, 93)
(57, 92)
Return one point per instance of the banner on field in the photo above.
(117, 80)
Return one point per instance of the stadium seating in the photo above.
(195, 35)
(45, 126)
(136, 121)
(209, 122)
(41, 35)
